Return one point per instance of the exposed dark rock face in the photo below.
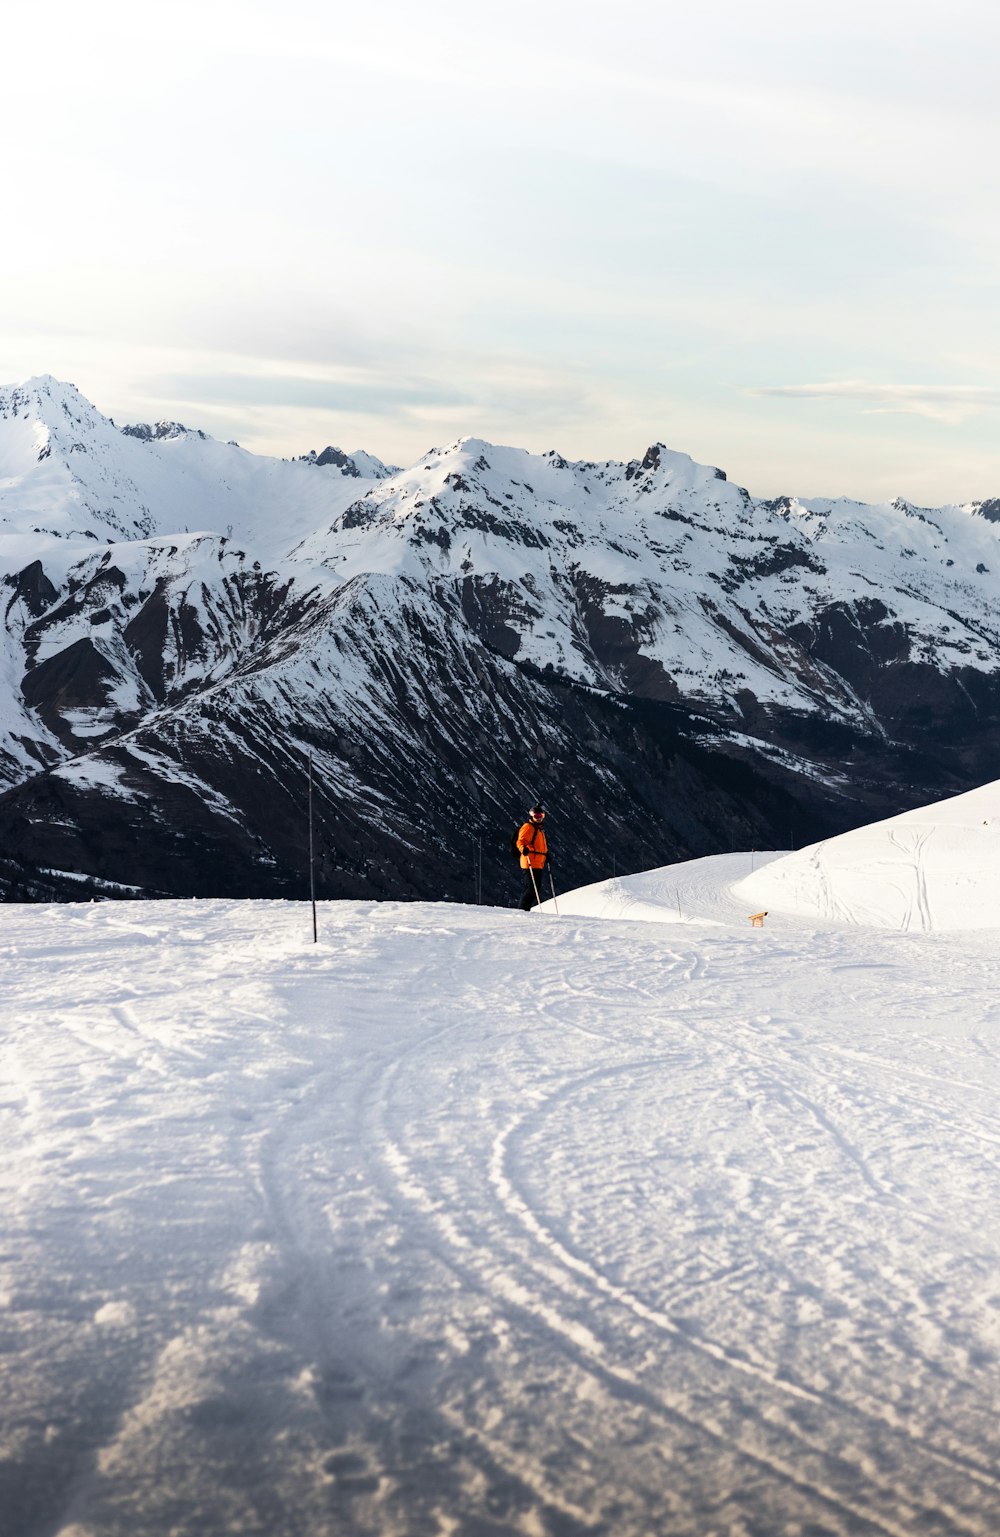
(342, 461)
(153, 432)
(77, 678)
(354, 467)
(456, 751)
(33, 588)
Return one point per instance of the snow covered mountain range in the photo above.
(674, 665)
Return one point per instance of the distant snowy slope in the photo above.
(69, 473)
(935, 868)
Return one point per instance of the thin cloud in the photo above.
(373, 398)
(273, 407)
(942, 402)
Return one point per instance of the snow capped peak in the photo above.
(369, 467)
(356, 466)
(670, 468)
(47, 386)
(51, 402)
(59, 401)
(68, 473)
(59, 466)
(658, 577)
(158, 431)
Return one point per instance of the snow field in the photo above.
(701, 891)
(934, 868)
(463, 1221)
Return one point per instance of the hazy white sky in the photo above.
(766, 234)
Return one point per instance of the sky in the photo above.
(766, 235)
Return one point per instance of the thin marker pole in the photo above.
(312, 860)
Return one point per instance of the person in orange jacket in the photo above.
(534, 849)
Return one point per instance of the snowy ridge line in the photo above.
(92, 880)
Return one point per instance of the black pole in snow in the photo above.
(312, 861)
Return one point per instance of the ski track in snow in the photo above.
(462, 1222)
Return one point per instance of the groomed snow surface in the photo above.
(464, 1222)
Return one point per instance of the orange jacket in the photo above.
(531, 842)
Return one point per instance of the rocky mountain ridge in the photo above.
(676, 665)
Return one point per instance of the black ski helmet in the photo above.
(537, 807)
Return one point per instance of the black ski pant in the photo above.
(528, 898)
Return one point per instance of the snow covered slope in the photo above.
(122, 552)
(937, 867)
(66, 472)
(678, 666)
(704, 891)
(695, 1233)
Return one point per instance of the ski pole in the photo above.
(312, 854)
(538, 897)
(555, 903)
